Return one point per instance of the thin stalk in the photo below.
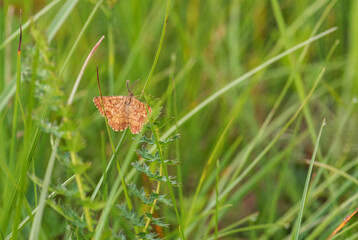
(104, 111)
(308, 178)
(2, 52)
(177, 146)
(35, 230)
(13, 142)
(159, 46)
(80, 188)
(77, 41)
(31, 96)
(155, 200)
(217, 198)
(114, 155)
(111, 56)
(113, 195)
(16, 107)
(129, 203)
(104, 162)
(159, 148)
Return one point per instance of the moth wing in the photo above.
(116, 111)
(137, 115)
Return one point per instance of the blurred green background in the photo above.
(207, 46)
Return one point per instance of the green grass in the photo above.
(234, 147)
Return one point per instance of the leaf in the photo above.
(144, 153)
(152, 196)
(140, 194)
(131, 216)
(72, 218)
(162, 122)
(148, 236)
(145, 139)
(151, 140)
(160, 198)
(120, 236)
(156, 221)
(156, 105)
(170, 139)
(143, 168)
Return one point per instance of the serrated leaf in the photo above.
(171, 162)
(72, 218)
(145, 139)
(131, 216)
(162, 122)
(144, 153)
(160, 198)
(155, 104)
(140, 194)
(156, 221)
(150, 199)
(148, 236)
(143, 168)
(170, 139)
(120, 236)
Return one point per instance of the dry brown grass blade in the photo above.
(342, 224)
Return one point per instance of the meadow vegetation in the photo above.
(252, 134)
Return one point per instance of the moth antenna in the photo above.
(134, 84)
(129, 89)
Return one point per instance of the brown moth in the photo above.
(124, 111)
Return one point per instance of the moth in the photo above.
(124, 111)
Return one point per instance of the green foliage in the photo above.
(71, 216)
(139, 193)
(148, 236)
(143, 168)
(50, 127)
(131, 216)
(156, 221)
(242, 83)
(144, 153)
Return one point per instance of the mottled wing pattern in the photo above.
(116, 111)
(123, 112)
(137, 115)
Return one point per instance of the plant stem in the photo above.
(159, 46)
(159, 148)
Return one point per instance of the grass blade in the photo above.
(305, 191)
